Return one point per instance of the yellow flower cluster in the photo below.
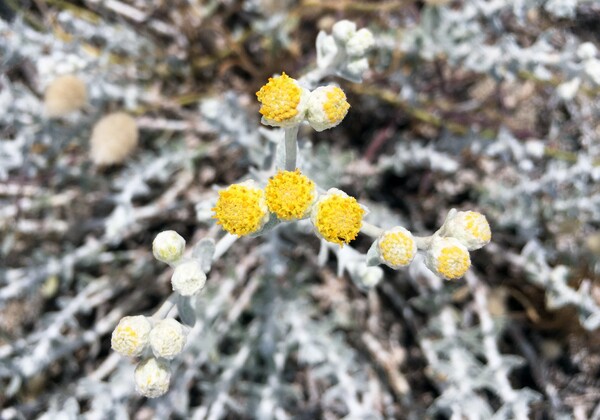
(290, 195)
(241, 209)
(337, 217)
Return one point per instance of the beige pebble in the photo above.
(113, 139)
(592, 243)
(64, 95)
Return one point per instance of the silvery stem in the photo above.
(291, 136)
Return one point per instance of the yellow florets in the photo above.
(241, 209)
(290, 194)
(453, 262)
(337, 217)
(448, 258)
(280, 98)
(470, 228)
(336, 107)
(397, 247)
(477, 225)
(327, 107)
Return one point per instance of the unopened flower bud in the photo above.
(168, 246)
(188, 278)
(167, 338)
(130, 337)
(592, 69)
(327, 107)
(152, 378)
(358, 67)
(586, 50)
(397, 247)
(343, 30)
(360, 42)
(470, 228)
(448, 258)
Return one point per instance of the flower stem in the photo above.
(423, 242)
(291, 136)
(371, 230)
(166, 307)
(223, 245)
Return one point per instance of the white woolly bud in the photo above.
(167, 338)
(64, 95)
(343, 30)
(470, 228)
(567, 90)
(188, 278)
(168, 246)
(327, 107)
(152, 378)
(369, 276)
(113, 139)
(396, 247)
(592, 69)
(360, 43)
(130, 337)
(586, 51)
(358, 67)
(448, 258)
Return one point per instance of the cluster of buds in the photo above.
(155, 342)
(345, 50)
(188, 277)
(446, 251)
(285, 103)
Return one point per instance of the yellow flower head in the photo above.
(241, 209)
(130, 337)
(471, 228)
(448, 258)
(290, 195)
(337, 217)
(397, 247)
(327, 107)
(283, 101)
